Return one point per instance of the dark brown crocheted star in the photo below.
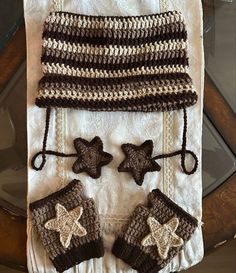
(91, 157)
(138, 160)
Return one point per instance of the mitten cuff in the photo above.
(77, 255)
(68, 226)
(134, 256)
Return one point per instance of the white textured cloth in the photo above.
(115, 193)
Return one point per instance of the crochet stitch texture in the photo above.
(66, 223)
(163, 236)
(91, 157)
(143, 256)
(138, 160)
(115, 63)
(73, 249)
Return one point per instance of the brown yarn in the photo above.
(115, 63)
(90, 155)
(183, 150)
(44, 151)
(95, 83)
(138, 160)
(81, 248)
(146, 259)
(149, 103)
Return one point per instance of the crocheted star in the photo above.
(138, 160)
(91, 157)
(66, 223)
(163, 236)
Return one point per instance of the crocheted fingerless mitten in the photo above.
(68, 225)
(154, 234)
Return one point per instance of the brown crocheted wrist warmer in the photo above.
(68, 226)
(154, 234)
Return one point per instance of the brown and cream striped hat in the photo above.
(115, 63)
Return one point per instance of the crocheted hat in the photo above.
(115, 63)
(68, 225)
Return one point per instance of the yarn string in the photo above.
(183, 152)
(44, 151)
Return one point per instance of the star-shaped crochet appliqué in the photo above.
(66, 223)
(91, 157)
(138, 160)
(162, 236)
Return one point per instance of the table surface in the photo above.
(11, 17)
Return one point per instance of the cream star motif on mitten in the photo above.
(66, 223)
(163, 236)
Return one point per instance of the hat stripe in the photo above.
(114, 22)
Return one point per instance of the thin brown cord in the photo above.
(44, 151)
(183, 151)
(48, 152)
(45, 137)
(184, 144)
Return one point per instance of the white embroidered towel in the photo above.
(115, 193)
